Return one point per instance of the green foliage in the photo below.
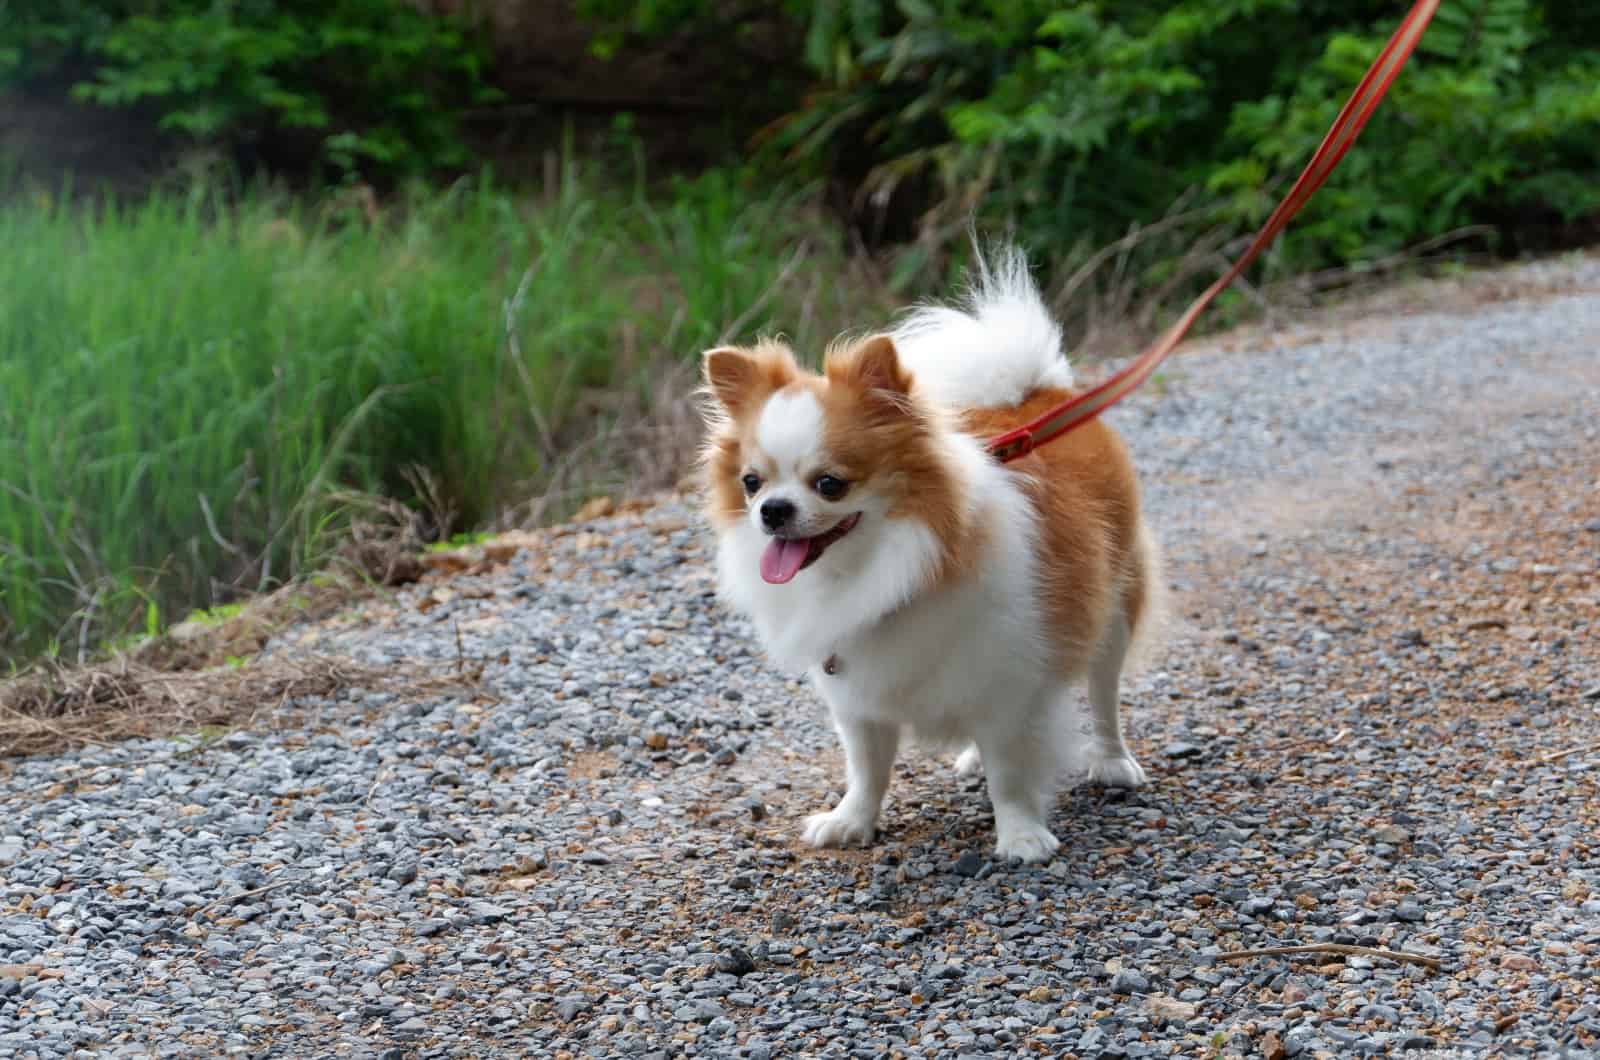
(215, 616)
(201, 378)
(1495, 121)
(1075, 120)
(362, 84)
(614, 21)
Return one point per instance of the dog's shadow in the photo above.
(934, 814)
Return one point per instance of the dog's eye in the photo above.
(752, 483)
(831, 488)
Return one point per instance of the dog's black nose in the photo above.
(775, 513)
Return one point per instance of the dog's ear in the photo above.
(873, 366)
(736, 377)
(730, 374)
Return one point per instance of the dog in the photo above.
(925, 588)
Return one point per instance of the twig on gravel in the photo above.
(383, 774)
(1333, 947)
(230, 899)
(1555, 756)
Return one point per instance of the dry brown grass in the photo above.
(204, 673)
(637, 442)
(54, 707)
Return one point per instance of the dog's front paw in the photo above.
(840, 827)
(1029, 842)
(1116, 771)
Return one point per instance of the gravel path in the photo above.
(1377, 723)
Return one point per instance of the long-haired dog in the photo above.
(923, 586)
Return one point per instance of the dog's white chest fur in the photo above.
(907, 650)
(938, 662)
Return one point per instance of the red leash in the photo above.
(1084, 407)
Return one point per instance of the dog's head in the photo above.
(818, 469)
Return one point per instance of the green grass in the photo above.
(186, 382)
(215, 616)
(457, 541)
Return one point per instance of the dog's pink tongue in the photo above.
(783, 558)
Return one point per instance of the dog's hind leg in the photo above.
(1019, 764)
(1108, 758)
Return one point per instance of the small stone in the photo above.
(656, 741)
(403, 872)
(735, 960)
(1410, 913)
(570, 1008)
(969, 864)
(1392, 834)
(702, 1011)
(724, 757)
(758, 810)
(246, 824)
(1179, 749)
(1519, 962)
(1170, 1009)
(1129, 981)
(1272, 1047)
(488, 912)
(1380, 1014)
(1410, 638)
(177, 887)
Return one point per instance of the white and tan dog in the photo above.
(923, 586)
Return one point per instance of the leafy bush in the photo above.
(356, 84)
(1074, 120)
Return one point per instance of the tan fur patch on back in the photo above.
(1084, 488)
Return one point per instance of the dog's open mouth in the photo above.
(787, 556)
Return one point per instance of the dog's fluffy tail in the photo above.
(993, 347)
